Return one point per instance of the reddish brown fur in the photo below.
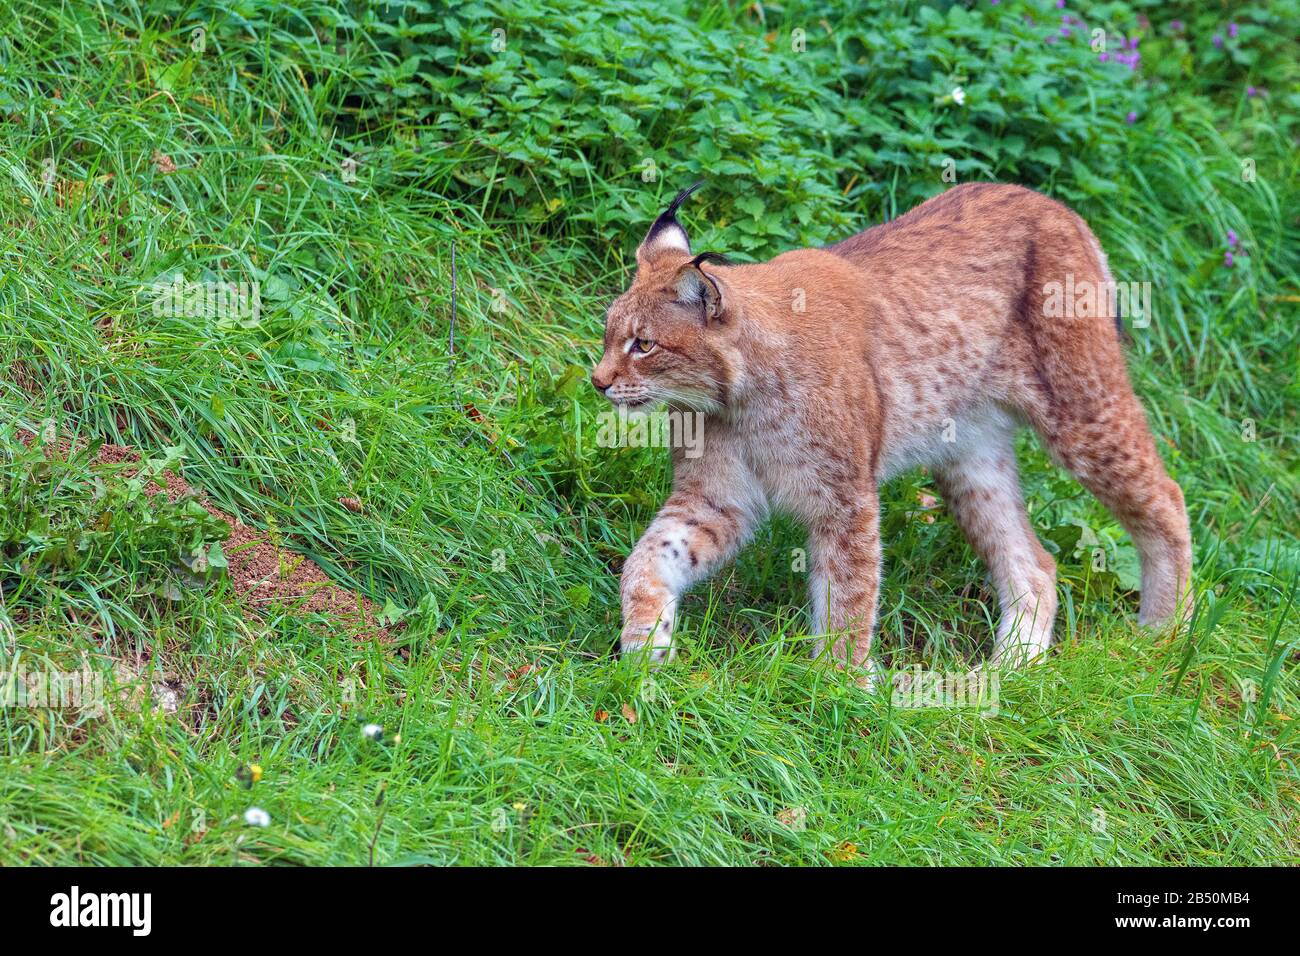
(926, 340)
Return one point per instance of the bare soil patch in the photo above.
(262, 574)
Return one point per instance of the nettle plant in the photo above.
(1021, 92)
(577, 118)
(802, 119)
(631, 98)
(1236, 51)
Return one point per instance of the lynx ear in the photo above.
(695, 286)
(667, 234)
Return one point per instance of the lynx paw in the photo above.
(869, 675)
(655, 642)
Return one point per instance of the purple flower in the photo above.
(1176, 26)
(993, 2)
(1131, 118)
(1103, 57)
(1051, 38)
(1232, 30)
(1218, 42)
(1065, 31)
(1227, 258)
(1252, 91)
(1232, 239)
(1133, 43)
(1060, 4)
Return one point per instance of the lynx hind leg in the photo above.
(981, 488)
(1112, 455)
(1082, 404)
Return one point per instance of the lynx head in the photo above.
(665, 336)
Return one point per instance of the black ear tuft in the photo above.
(671, 211)
(717, 257)
(668, 221)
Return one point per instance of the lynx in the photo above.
(926, 341)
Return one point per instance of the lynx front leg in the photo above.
(845, 581)
(698, 529)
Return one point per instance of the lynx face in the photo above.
(666, 336)
(660, 343)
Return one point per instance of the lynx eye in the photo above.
(643, 346)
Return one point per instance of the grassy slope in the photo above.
(1122, 749)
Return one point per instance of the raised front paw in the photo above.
(655, 641)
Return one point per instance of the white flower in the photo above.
(958, 95)
(257, 817)
(372, 732)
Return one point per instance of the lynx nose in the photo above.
(601, 383)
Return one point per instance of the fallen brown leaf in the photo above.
(846, 852)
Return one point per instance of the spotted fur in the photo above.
(822, 372)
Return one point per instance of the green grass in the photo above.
(493, 525)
